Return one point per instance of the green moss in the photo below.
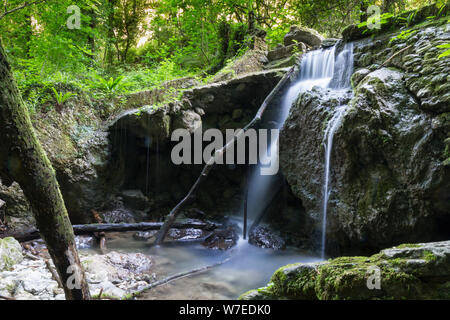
(348, 278)
(429, 256)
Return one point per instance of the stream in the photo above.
(249, 267)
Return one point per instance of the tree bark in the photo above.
(23, 159)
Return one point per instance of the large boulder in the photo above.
(386, 164)
(410, 271)
(302, 34)
(287, 51)
(390, 178)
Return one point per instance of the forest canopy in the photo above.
(128, 45)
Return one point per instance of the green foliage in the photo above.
(384, 19)
(446, 52)
(62, 98)
(404, 35)
(129, 45)
(409, 20)
(109, 86)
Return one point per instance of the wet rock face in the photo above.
(287, 51)
(390, 182)
(141, 144)
(409, 271)
(263, 237)
(15, 210)
(425, 75)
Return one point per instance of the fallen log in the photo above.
(219, 153)
(83, 229)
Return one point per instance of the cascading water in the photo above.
(341, 81)
(318, 68)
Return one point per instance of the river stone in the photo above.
(118, 215)
(115, 267)
(263, 237)
(10, 253)
(222, 239)
(185, 234)
(301, 34)
(144, 235)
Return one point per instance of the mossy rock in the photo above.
(10, 253)
(408, 271)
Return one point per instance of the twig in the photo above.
(54, 274)
(219, 153)
(394, 55)
(175, 277)
(31, 256)
(24, 5)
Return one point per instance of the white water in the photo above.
(318, 68)
(341, 81)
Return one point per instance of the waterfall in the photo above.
(318, 68)
(341, 81)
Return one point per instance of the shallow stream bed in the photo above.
(249, 267)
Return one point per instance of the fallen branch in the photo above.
(7, 298)
(219, 153)
(22, 6)
(394, 55)
(83, 229)
(175, 277)
(54, 274)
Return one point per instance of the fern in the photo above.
(446, 52)
(62, 98)
(111, 85)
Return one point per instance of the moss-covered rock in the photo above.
(417, 271)
(10, 253)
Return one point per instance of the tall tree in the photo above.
(23, 159)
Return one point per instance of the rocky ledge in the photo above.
(408, 271)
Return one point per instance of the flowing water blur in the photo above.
(250, 267)
(342, 71)
(322, 69)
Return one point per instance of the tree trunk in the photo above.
(23, 159)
